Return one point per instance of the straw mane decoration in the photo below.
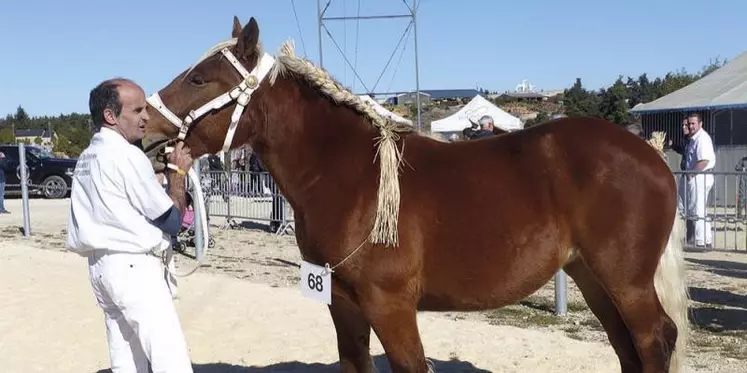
(657, 141)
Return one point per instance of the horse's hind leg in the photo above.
(353, 336)
(604, 309)
(629, 281)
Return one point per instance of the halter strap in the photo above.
(241, 93)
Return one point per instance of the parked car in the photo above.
(48, 176)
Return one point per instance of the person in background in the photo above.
(742, 192)
(700, 157)
(3, 164)
(486, 127)
(679, 145)
(468, 132)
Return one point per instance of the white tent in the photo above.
(475, 109)
(383, 111)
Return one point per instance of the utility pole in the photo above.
(411, 14)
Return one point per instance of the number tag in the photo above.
(316, 282)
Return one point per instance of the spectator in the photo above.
(679, 145)
(742, 193)
(3, 164)
(699, 157)
(486, 127)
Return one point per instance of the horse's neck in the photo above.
(306, 138)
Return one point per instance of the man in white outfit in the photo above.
(121, 219)
(699, 156)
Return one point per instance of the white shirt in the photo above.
(114, 195)
(700, 148)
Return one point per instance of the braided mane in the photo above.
(387, 211)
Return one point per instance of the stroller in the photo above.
(186, 236)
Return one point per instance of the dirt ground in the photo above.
(244, 312)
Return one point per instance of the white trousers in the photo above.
(141, 321)
(698, 189)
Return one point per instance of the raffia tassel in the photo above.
(387, 208)
(387, 211)
(657, 141)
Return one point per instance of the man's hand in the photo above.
(180, 157)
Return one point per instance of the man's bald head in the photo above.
(106, 96)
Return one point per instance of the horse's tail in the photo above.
(671, 288)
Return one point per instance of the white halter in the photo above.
(241, 94)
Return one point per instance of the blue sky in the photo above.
(54, 52)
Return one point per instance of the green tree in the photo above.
(7, 136)
(21, 116)
(614, 102)
(541, 117)
(580, 102)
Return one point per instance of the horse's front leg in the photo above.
(353, 335)
(393, 316)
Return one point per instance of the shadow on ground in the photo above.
(722, 267)
(724, 311)
(382, 366)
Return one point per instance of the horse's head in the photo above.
(213, 107)
(203, 105)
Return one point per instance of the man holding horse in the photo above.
(121, 219)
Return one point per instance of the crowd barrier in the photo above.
(713, 202)
(247, 196)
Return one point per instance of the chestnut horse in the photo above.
(476, 224)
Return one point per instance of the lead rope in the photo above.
(199, 201)
(328, 270)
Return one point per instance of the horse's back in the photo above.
(504, 212)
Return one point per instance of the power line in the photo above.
(343, 55)
(357, 26)
(298, 25)
(412, 14)
(407, 31)
(399, 61)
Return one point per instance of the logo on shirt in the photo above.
(83, 167)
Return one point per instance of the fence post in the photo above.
(561, 293)
(24, 188)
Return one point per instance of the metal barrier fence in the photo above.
(249, 196)
(713, 204)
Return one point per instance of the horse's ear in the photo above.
(247, 43)
(236, 28)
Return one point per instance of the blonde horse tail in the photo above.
(671, 289)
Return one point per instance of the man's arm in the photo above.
(177, 191)
(162, 209)
(700, 165)
(704, 154)
(171, 221)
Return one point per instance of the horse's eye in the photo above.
(198, 79)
